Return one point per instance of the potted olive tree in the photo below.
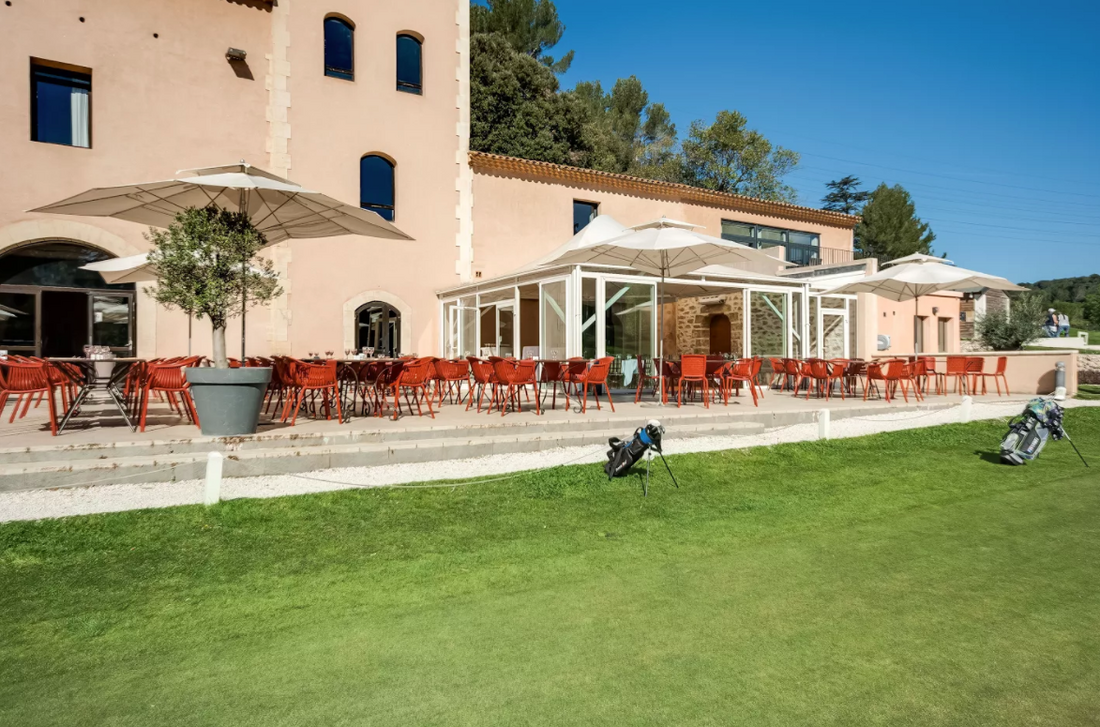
(207, 264)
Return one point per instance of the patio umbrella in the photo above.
(279, 208)
(601, 229)
(668, 248)
(911, 277)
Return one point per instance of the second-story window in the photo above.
(583, 213)
(409, 64)
(376, 185)
(339, 48)
(61, 105)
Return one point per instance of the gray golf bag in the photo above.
(1028, 433)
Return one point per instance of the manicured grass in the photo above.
(904, 578)
(1090, 392)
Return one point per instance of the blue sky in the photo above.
(987, 112)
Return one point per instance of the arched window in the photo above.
(339, 48)
(409, 65)
(376, 189)
(379, 328)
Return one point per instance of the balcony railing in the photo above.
(806, 255)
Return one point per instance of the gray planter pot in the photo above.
(228, 400)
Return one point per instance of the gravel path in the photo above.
(36, 504)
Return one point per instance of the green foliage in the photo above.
(529, 26)
(199, 261)
(1074, 290)
(1012, 330)
(845, 196)
(1090, 310)
(890, 227)
(516, 110)
(627, 133)
(905, 578)
(727, 156)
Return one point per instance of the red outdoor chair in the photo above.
(975, 373)
(313, 380)
(450, 377)
(24, 379)
(551, 374)
(897, 373)
(413, 377)
(739, 371)
(670, 372)
(930, 373)
(483, 378)
(644, 376)
(778, 373)
(512, 378)
(596, 376)
(693, 369)
(855, 372)
(956, 369)
(998, 376)
(168, 378)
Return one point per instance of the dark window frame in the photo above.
(65, 75)
(345, 74)
(375, 206)
(406, 86)
(595, 212)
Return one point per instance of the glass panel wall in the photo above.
(554, 328)
(17, 319)
(768, 323)
(111, 320)
(468, 326)
(798, 349)
(588, 318)
(832, 335)
(628, 327)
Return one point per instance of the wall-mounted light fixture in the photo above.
(935, 310)
(235, 54)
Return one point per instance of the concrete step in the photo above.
(257, 461)
(361, 432)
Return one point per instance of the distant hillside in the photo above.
(1072, 290)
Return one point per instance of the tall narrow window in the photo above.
(339, 49)
(61, 106)
(409, 65)
(583, 213)
(376, 187)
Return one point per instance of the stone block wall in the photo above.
(1088, 368)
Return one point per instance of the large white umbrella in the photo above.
(910, 277)
(601, 229)
(279, 208)
(668, 248)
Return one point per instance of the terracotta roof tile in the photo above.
(482, 161)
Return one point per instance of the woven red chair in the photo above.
(312, 379)
(24, 379)
(450, 375)
(693, 370)
(855, 372)
(998, 376)
(897, 373)
(778, 374)
(644, 376)
(739, 372)
(387, 379)
(482, 372)
(168, 378)
(930, 373)
(512, 377)
(670, 372)
(793, 368)
(551, 374)
(414, 378)
(596, 376)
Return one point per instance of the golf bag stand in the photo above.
(625, 454)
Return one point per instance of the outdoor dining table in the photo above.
(347, 373)
(90, 380)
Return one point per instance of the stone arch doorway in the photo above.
(49, 306)
(378, 327)
(720, 334)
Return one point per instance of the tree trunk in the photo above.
(220, 360)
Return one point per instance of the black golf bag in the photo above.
(1028, 433)
(623, 455)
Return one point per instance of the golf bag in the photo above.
(623, 455)
(1028, 433)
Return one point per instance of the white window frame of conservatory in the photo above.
(567, 279)
(602, 304)
(457, 300)
(820, 322)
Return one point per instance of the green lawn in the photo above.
(1088, 391)
(905, 578)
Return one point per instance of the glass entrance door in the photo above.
(59, 322)
(506, 330)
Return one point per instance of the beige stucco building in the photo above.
(367, 101)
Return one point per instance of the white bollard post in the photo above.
(964, 409)
(212, 494)
(823, 421)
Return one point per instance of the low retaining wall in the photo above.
(1088, 368)
(1028, 372)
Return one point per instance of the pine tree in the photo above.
(845, 196)
(890, 228)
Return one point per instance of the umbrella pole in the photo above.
(243, 209)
